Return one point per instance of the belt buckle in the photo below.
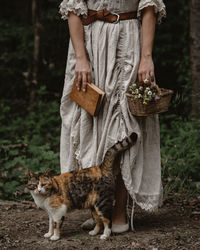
(118, 17)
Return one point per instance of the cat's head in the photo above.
(45, 184)
(33, 180)
(39, 183)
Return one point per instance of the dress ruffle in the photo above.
(159, 8)
(79, 7)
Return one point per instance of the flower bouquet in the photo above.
(148, 99)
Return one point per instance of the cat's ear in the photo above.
(47, 172)
(30, 173)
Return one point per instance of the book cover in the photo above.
(91, 100)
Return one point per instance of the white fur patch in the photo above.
(41, 189)
(43, 202)
(48, 235)
(55, 237)
(106, 233)
(56, 213)
(38, 199)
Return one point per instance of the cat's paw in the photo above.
(54, 237)
(93, 233)
(104, 237)
(47, 235)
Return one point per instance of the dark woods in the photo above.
(33, 48)
(33, 52)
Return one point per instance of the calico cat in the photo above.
(92, 188)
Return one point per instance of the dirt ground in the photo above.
(175, 226)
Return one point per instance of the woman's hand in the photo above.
(146, 69)
(83, 73)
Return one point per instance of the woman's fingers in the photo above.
(144, 76)
(86, 78)
(82, 78)
(149, 76)
(152, 76)
(89, 77)
(146, 70)
(78, 80)
(84, 81)
(83, 73)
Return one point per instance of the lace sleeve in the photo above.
(79, 7)
(159, 8)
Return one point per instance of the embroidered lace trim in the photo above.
(149, 203)
(79, 7)
(159, 8)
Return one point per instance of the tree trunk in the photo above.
(195, 55)
(36, 51)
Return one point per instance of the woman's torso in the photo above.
(118, 6)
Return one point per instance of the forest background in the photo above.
(33, 52)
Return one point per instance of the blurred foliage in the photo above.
(180, 149)
(29, 136)
(28, 139)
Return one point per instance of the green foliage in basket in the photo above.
(145, 92)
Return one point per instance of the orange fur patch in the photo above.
(92, 198)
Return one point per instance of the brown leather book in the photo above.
(91, 100)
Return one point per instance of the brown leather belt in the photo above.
(107, 16)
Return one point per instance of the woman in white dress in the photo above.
(113, 55)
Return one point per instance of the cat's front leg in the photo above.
(95, 231)
(103, 214)
(51, 228)
(107, 229)
(58, 224)
(98, 221)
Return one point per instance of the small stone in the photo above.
(177, 236)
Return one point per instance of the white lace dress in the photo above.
(114, 54)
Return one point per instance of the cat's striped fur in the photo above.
(92, 188)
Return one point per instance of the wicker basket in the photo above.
(137, 107)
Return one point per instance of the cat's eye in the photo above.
(42, 185)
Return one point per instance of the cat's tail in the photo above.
(115, 150)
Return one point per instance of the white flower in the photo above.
(149, 93)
